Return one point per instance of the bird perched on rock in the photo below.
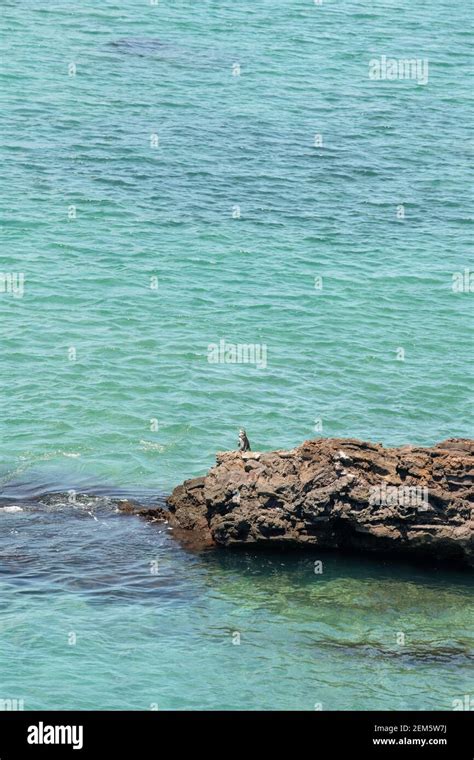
(244, 444)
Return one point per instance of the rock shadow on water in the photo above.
(364, 590)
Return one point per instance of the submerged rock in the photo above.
(138, 45)
(341, 494)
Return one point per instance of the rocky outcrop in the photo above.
(336, 494)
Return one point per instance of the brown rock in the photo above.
(339, 494)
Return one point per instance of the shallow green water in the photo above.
(129, 143)
(109, 613)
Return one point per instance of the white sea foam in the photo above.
(150, 446)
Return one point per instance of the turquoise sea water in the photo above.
(238, 156)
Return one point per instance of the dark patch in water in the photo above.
(35, 494)
(141, 46)
(89, 547)
(152, 47)
(417, 655)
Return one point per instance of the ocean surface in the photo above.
(184, 174)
